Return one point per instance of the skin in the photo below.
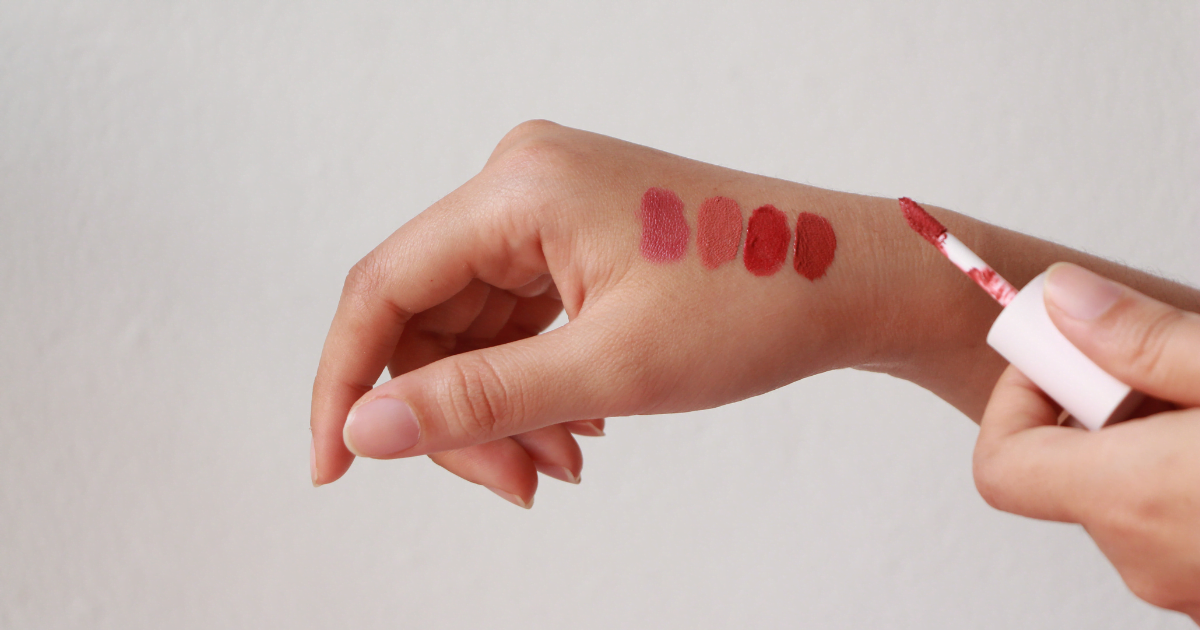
(453, 301)
(1132, 485)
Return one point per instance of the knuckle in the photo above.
(528, 184)
(527, 145)
(1150, 342)
(526, 131)
(365, 288)
(637, 371)
(1119, 523)
(1154, 590)
(535, 152)
(533, 168)
(1148, 510)
(363, 280)
(1133, 513)
(477, 399)
(989, 481)
(538, 162)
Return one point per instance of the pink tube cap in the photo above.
(1024, 334)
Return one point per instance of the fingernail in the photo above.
(382, 428)
(312, 462)
(558, 472)
(590, 429)
(512, 498)
(1080, 293)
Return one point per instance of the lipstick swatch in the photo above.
(665, 232)
(718, 231)
(815, 245)
(767, 239)
(719, 228)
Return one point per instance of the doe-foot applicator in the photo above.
(1025, 336)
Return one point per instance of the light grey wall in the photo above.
(184, 185)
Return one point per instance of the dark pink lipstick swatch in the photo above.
(767, 239)
(718, 231)
(665, 232)
(815, 245)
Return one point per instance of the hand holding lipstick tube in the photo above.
(680, 299)
(687, 286)
(1132, 486)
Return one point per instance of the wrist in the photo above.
(868, 310)
(912, 314)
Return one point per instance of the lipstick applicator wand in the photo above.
(1025, 335)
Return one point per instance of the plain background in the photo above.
(183, 187)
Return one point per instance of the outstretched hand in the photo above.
(453, 302)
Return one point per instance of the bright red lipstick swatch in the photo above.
(815, 245)
(718, 231)
(767, 239)
(665, 232)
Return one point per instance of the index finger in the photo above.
(427, 261)
(1149, 345)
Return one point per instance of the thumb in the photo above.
(1150, 346)
(487, 394)
(1024, 463)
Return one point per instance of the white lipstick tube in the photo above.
(1024, 334)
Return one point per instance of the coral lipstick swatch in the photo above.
(664, 230)
(719, 229)
(767, 240)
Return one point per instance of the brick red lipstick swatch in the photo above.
(815, 245)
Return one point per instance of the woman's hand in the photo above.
(452, 304)
(687, 286)
(1134, 486)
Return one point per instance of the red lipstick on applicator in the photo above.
(959, 254)
(1025, 336)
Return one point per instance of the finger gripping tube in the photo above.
(1025, 336)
